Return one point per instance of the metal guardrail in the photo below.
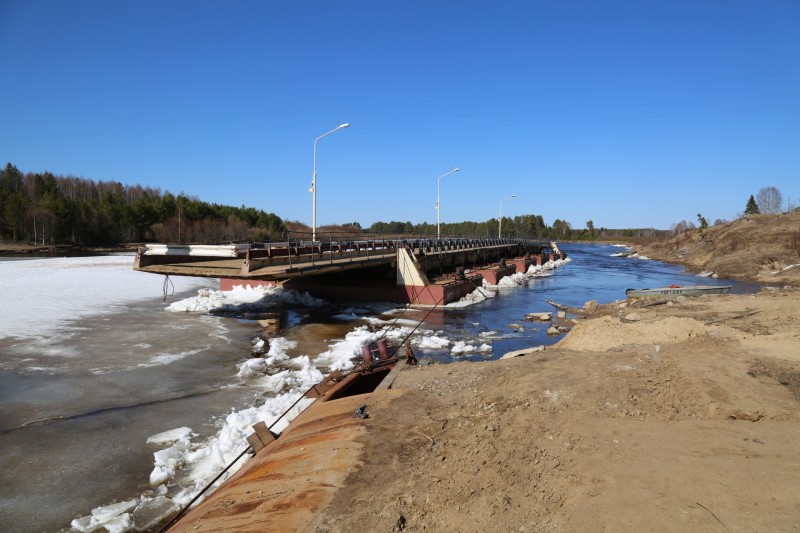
(330, 248)
(364, 245)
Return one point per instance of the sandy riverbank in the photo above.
(760, 248)
(681, 416)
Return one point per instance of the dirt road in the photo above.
(677, 416)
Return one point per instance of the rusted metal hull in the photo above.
(521, 264)
(442, 292)
(494, 274)
(289, 481)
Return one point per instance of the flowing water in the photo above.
(77, 403)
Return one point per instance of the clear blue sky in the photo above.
(628, 113)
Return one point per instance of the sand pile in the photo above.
(608, 333)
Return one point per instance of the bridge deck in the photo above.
(236, 268)
(293, 259)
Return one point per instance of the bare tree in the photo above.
(235, 229)
(682, 226)
(769, 200)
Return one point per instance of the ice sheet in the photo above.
(57, 289)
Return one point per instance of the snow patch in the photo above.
(239, 297)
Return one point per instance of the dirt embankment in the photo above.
(760, 248)
(676, 416)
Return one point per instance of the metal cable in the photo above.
(228, 467)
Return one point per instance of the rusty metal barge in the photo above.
(292, 476)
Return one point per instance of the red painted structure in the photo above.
(494, 274)
(438, 293)
(521, 264)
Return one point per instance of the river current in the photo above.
(77, 404)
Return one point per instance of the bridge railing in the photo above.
(329, 247)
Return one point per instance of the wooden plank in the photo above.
(255, 442)
(263, 433)
(391, 376)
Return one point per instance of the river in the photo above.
(92, 365)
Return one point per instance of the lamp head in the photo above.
(456, 169)
(345, 125)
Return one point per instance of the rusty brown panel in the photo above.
(341, 384)
(255, 253)
(294, 477)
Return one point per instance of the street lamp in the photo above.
(500, 226)
(313, 189)
(438, 199)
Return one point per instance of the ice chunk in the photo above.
(433, 343)
(261, 296)
(170, 436)
(151, 511)
(168, 460)
(114, 518)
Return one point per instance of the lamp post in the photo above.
(438, 200)
(500, 226)
(313, 189)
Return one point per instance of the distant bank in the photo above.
(760, 248)
(15, 248)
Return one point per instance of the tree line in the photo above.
(48, 209)
(522, 225)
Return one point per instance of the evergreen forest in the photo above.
(521, 225)
(47, 209)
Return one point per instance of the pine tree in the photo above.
(752, 207)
